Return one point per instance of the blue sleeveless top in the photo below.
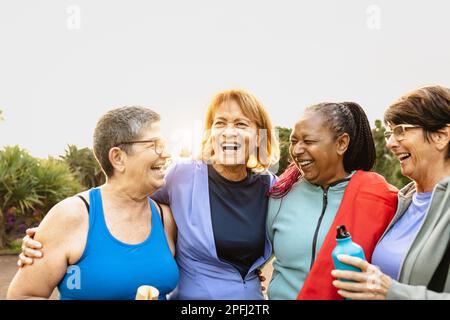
(112, 270)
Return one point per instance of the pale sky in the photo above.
(60, 71)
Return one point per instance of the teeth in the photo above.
(230, 146)
(403, 156)
(305, 162)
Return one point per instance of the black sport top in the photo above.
(238, 215)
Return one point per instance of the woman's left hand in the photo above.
(369, 284)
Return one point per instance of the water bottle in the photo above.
(346, 246)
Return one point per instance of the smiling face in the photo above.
(315, 150)
(143, 165)
(415, 154)
(232, 134)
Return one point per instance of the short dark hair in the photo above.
(427, 107)
(350, 118)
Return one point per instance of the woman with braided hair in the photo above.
(327, 184)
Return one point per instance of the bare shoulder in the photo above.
(64, 219)
(71, 210)
(84, 194)
(170, 227)
(166, 209)
(167, 212)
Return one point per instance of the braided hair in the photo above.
(345, 117)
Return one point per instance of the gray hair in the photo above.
(117, 126)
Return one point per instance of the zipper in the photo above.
(319, 222)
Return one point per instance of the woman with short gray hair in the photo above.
(106, 242)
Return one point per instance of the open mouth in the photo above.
(159, 168)
(304, 163)
(403, 156)
(227, 146)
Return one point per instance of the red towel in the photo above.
(368, 205)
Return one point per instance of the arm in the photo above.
(170, 227)
(400, 291)
(59, 234)
(30, 249)
(372, 284)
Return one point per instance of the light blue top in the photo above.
(202, 274)
(391, 250)
(293, 221)
(113, 270)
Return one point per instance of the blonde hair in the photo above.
(253, 109)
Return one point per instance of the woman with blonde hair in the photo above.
(219, 202)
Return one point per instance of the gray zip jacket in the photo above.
(428, 248)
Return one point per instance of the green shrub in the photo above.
(30, 184)
(55, 182)
(84, 166)
(17, 179)
(284, 140)
(386, 164)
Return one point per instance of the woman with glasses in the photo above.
(413, 256)
(106, 242)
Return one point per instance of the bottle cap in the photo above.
(342, 232)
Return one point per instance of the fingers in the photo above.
(349, 275)
(360, 290)
(31, 231)
(260, 276)
(351, 286)
(25, 260)
(30, 253)
(359, 295)
(354, 261)
(28, 242)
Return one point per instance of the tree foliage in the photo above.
(84, 166)
(386, 164)
(31, 185)
(284, 138)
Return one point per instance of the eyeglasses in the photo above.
(158, 144)
(399, 131)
